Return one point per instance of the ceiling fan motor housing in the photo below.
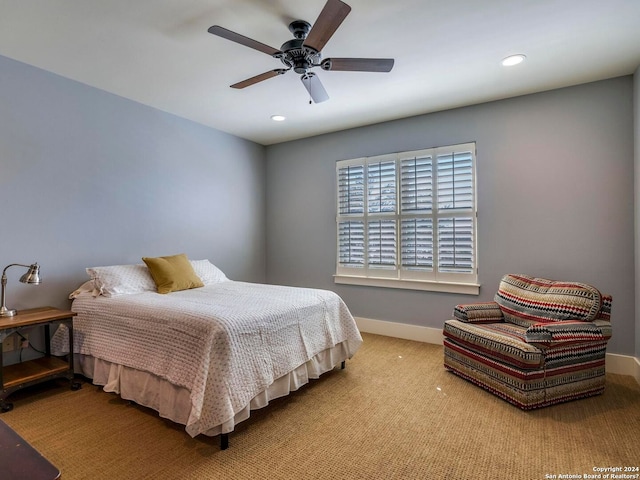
(294, 54)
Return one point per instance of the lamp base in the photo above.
(5, 312)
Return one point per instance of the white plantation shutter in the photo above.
(417, 184)
(351, 233)
(381, 184)
(351, 189)
(456, 212)
(381, 204)
(455, 181)
(417, 244)
(382, 243)
(455, 245)
(351, 243)
(416, 233)
(409, 217)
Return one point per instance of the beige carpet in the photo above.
(393, 413)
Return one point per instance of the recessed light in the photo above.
(278, 118)
(512, 60)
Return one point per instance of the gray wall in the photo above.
(88, 178)
(555, 199)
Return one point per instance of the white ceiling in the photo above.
(447, 54)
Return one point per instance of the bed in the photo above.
(204, 357)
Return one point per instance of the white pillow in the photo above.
(117, 280)
(208, 272)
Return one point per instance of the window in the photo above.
(408, 220)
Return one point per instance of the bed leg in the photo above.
(224, 441)
(343, 365)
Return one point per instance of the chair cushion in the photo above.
(526, 300)
(503, 342)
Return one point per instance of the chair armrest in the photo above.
(605, 326)
(566, 332)
(487, 312)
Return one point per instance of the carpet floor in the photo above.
(393, 413)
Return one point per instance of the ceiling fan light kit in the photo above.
(303, 52)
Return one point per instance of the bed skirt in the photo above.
(174, 402)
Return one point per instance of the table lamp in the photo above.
(32, 277)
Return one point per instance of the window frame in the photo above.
(401, 276)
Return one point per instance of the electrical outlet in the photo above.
(9, 344)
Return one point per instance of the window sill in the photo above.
(447, 287)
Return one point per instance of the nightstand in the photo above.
(30, 372)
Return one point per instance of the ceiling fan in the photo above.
(302, 53)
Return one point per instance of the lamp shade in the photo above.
(32, 277)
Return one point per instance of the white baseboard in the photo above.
(618, 364)
(400, 330)
(623, 365)
(636, 369)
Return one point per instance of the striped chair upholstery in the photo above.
(540, 342)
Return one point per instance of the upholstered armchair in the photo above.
(540, 342)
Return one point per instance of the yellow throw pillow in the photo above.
(172, 273)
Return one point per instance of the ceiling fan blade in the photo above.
(358, 64)
(330, 18)
(259, 78)
(242, 40)
(315, 88)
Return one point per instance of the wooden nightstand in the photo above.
(30, 372)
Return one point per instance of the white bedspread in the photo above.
(225, 342)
